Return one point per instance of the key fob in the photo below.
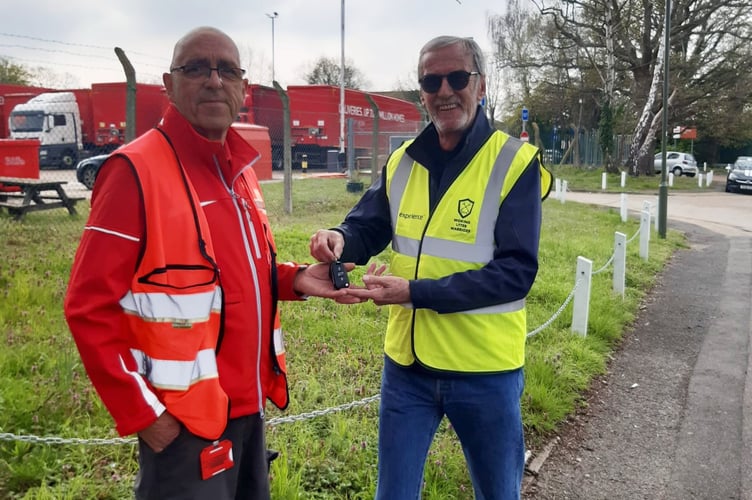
(338, 275)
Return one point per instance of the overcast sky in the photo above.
(75, 38)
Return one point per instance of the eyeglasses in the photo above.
(198, 71)
(458, 80)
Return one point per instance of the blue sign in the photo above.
(524, 114)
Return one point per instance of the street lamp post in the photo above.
(342, 80)
(663, 186)
(272, 16)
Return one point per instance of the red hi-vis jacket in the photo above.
(112, 247)
(173, 308)
(174, 305)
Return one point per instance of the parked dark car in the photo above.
(88, 168)
(739, 178)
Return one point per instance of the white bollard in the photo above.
(557, 182)
(623, 207)
(657, 213)
(670, 179)
(623, 179)
(620, 262)
(699, 180)
(581, 302)
(603, 181)
(646, 206)
(709, 179)
(644, 234)
(563, 195)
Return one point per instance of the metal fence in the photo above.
(585, 150)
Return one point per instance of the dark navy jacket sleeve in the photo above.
(511, 273)
(368, 227)
(508, 277)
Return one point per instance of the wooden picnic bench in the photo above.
(34, 195)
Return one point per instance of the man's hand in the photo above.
(161, 433)
(382, 290)
(314, 281)
(327, 245)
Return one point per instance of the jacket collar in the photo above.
(426, 150)
(233, 156)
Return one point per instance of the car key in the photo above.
(338, 275)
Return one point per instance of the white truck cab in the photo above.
(55, 120)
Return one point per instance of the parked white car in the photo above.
(677, 163)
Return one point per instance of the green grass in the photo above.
(590, 179)
(334, 356)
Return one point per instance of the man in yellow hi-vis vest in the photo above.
(461, 206)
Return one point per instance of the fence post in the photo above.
(623, 209)
(620, 262)
(286, 145)
(644, 234)
(581, 303)
(374, 140)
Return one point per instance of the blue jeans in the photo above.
(485, 413)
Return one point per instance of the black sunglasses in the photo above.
(458, 80)
(204, 71)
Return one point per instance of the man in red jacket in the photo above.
(173, 291)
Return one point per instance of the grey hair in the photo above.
(470, 46)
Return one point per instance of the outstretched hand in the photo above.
(314, 281)
(382, 289)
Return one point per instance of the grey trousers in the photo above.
(175, 472)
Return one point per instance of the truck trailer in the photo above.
(315, 123)
(74, 124)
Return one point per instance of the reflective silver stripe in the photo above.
(406, 246)
(111, 232)
(180, 308)
(398, 185)
(482, 250)
(498, 308)
(279, 342)
(176, 375)
(149, 396)
(455, 250)
(490, 209)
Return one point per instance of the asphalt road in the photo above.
(672, 418)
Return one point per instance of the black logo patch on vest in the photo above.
(465, 207)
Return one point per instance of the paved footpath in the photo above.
(673, 417)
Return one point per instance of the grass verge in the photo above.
(334, 357)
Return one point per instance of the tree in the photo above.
(326, 71)
(14, 73)
(709, 43)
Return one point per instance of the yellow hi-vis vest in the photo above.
(458, 236)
